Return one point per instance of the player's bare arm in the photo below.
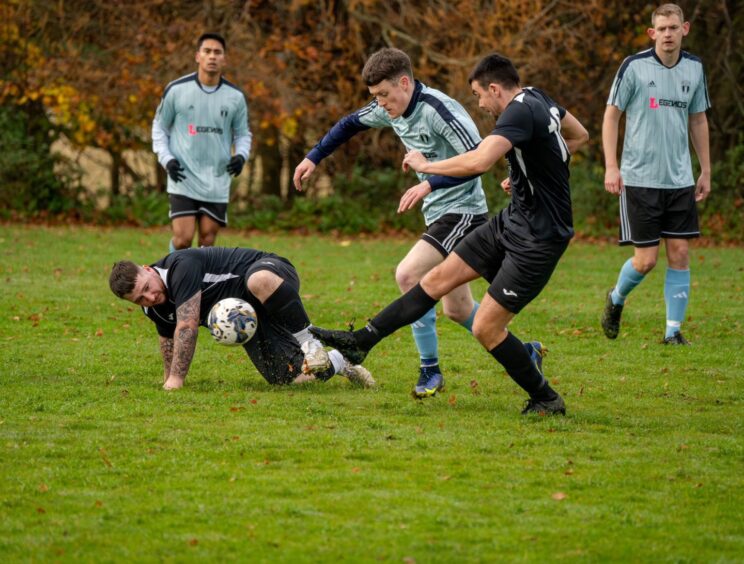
(474, 162)
(184, 339)
(303, 172)
(573, 132)
(166, 351)
(700, 141)
(610, 124)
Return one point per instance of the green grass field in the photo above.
(97, 463)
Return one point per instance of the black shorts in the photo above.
(182, 206)
(517, 269)
(649, 214)
(450, 229)
(273, 349)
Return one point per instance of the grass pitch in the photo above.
(97, 463)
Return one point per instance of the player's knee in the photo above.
(261, 284)
(207, 240)
(644, 265)
(181, 242)
(457, 312)
(405, 278)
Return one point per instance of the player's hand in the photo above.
(702, 187)
(614, 181)
(303, 172)
(506, 186)
(236, 165)
(413, 195)
(175, 170)
(415, 160)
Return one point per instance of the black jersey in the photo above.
(217, 271)
(540, 207)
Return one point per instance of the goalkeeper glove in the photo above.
(175, 170)
(236, 165)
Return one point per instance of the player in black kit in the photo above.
(178, 291)
(518, 249)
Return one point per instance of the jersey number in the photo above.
(555, 127)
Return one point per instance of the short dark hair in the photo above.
(123, 276)
(216, 36)
(495, 69)
(386, 64)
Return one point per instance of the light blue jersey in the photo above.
(657, 101)
(434, 124)
(200, 126)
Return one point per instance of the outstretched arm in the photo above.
(474, 162)
(184, 339)
(700, 141)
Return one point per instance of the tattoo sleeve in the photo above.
(166, 350)
(184, 339)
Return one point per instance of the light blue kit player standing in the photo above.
(433, 123)
(663, 92)
(200, 117)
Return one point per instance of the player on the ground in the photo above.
(517, 250)
(662, 90)
(178, 291)
(200, 117)
(432, 122)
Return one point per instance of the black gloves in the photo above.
(235, 165)
(175, 170)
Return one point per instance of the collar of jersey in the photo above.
(414, 99)
(201, 86)
(658, 60)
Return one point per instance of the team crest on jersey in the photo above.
(424, 137)
(685, 86)
(224, 110)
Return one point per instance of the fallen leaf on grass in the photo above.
(40, 510)
(43, 488)
(98, 503)
(105, 457)
(193, 542)
(452, 400)
(356, 470)
(235, 409)
(559, 496)
(99, 332)
(474, 387)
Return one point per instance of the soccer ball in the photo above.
(232, 321)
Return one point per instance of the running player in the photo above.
(432, 122)
(200, 117)
(517, 250)
(662, 91)
(178, 291)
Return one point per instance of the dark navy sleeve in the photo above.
(439, 182)
(515, 123)
(339, 134)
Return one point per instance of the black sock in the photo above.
(403, 311)
(515, 358)
(285, 306)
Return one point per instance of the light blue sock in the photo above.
(171, 246)
(468, 323)
(425, 335)
(676, 296)
(628, 279)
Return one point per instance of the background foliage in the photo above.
(92, 72)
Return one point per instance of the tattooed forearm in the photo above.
(184, 339)
(166, 350)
